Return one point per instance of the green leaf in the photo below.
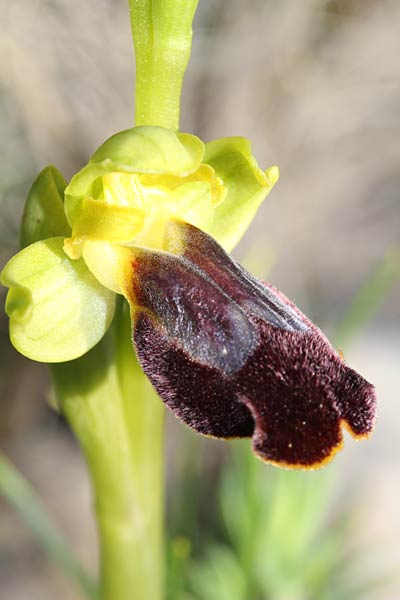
(247, 187)
(23, 498)
(44, 215)
(57, 308)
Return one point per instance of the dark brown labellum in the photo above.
(233, 357)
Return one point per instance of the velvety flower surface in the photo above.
(232, 357)
(151, 217)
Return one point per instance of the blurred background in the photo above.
(315, 84)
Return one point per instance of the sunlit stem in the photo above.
(105, 396)
(144, 416)
(126, 477)
(162, 35)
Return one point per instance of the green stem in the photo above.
(144, 415)
(127, 480)
(108, 401)
(162, 35)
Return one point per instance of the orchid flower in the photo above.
(152, 217)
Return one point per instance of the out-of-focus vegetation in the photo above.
(274, 535)
(19, 493)
(315, 85)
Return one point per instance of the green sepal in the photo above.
(147, 150)
(151, 150)
(57, 308)
(247, 186)
(44, 215)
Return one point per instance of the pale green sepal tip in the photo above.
(247, 186)
(151, 150)
(44, 215)
(57, 308)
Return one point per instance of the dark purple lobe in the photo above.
(298, 391)
(233, 357)
(252, 295)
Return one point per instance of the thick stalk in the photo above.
(144, 417)
(162, 35)
(108, 401)
(128, 501)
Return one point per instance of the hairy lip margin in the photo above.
(233, 357)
